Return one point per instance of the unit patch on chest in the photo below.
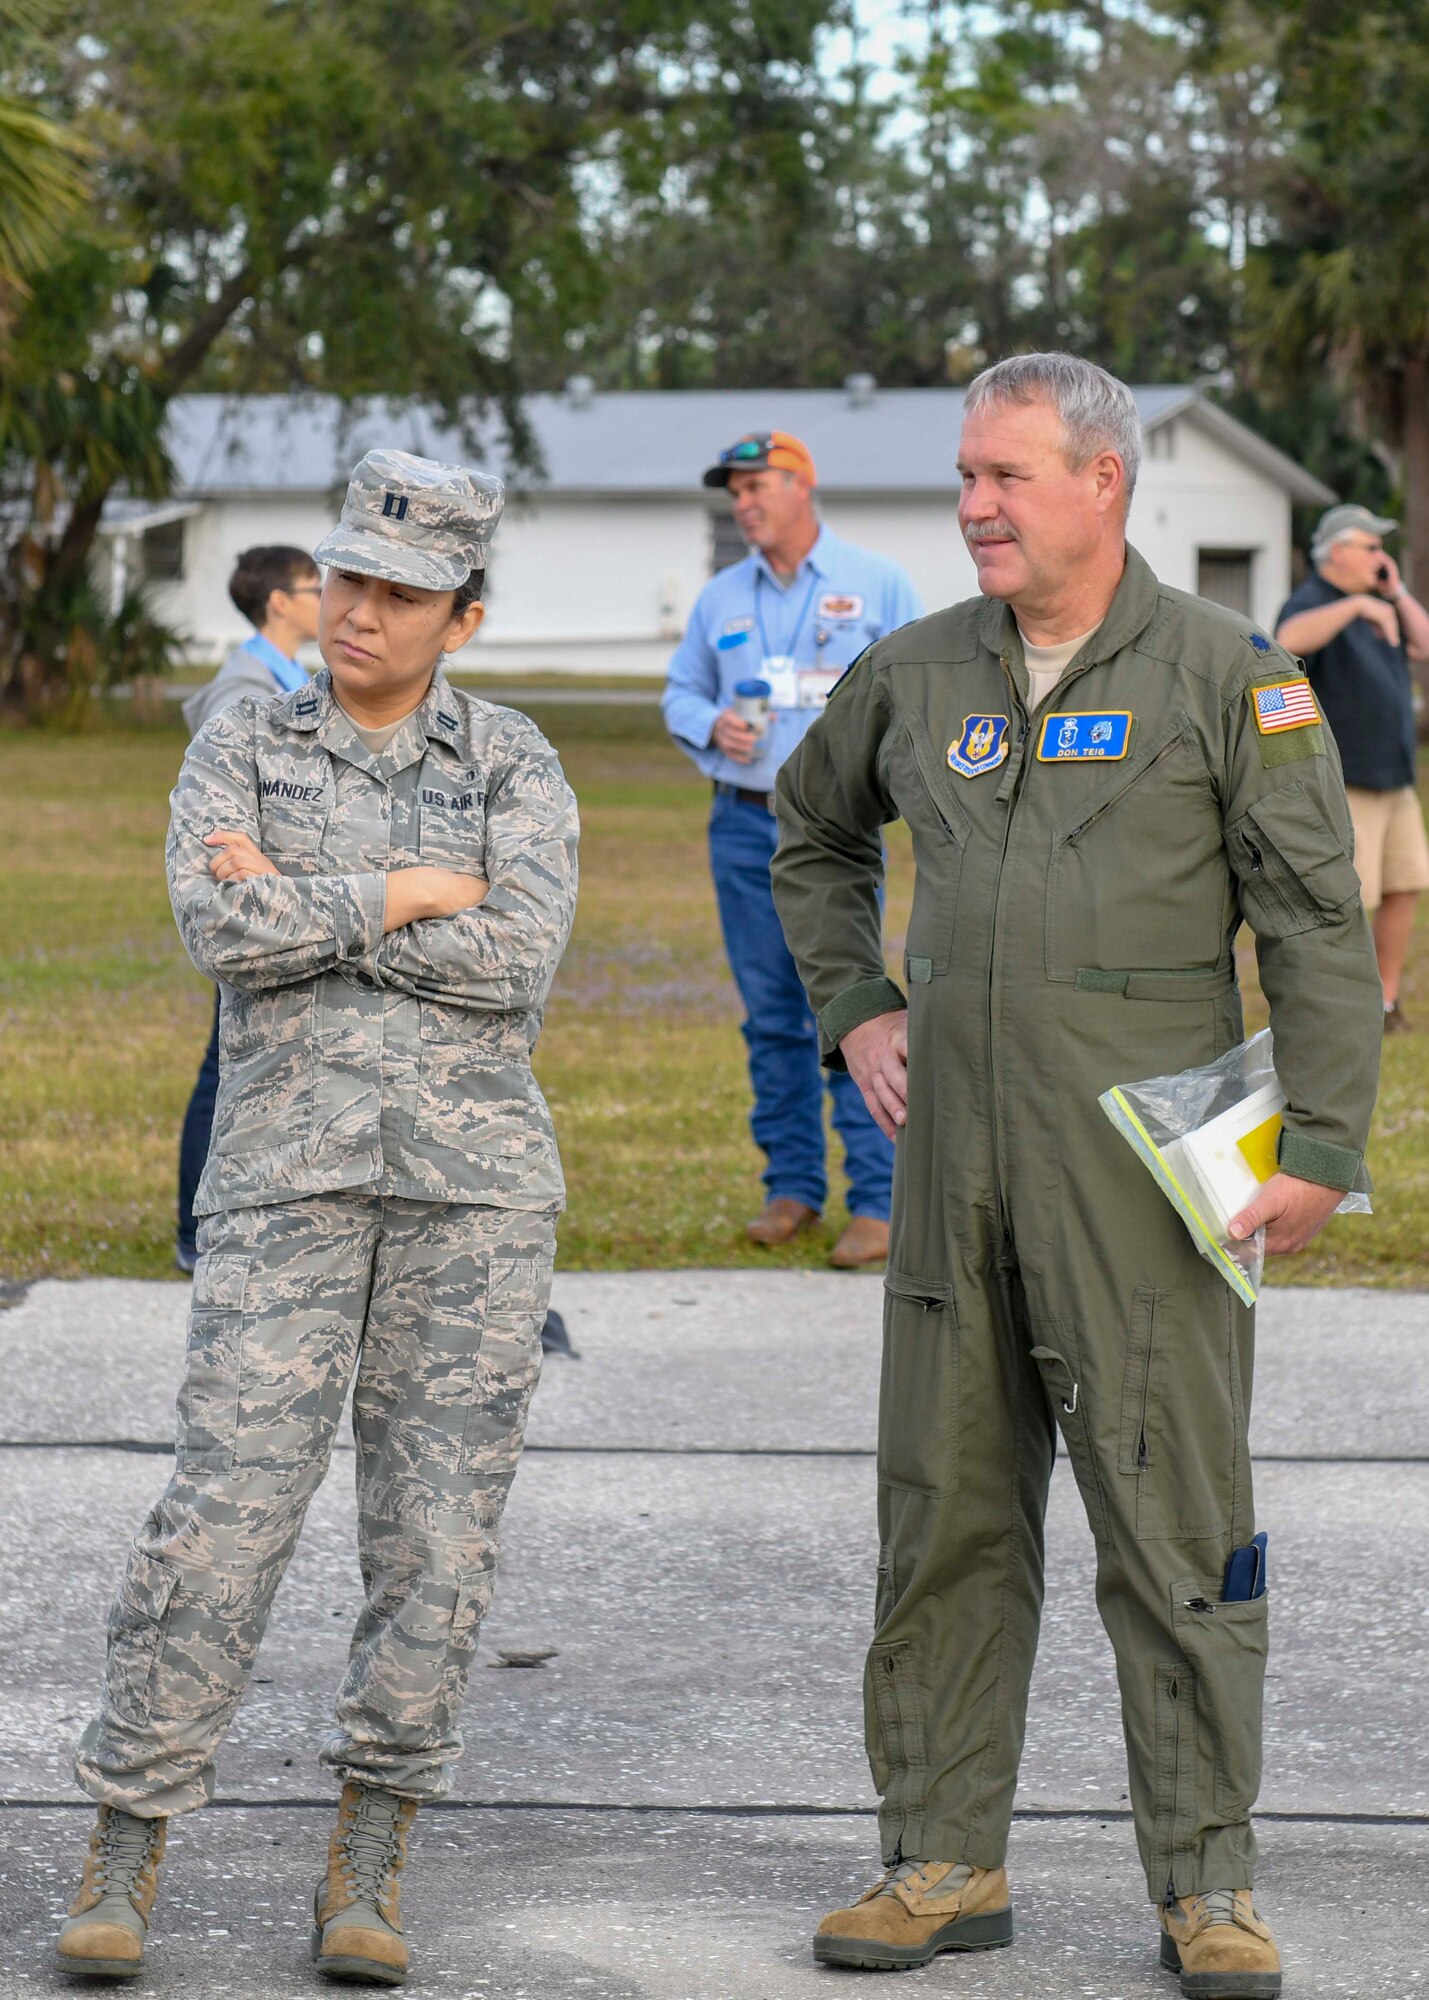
(840, 607)
(1070, 738)
(981, 747)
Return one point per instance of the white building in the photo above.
(600, 556)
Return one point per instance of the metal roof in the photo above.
(654, 442)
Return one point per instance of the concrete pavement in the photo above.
(665, 1808)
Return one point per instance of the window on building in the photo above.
(1161, 443)
(727, 545)
(164, 553)
(1225, 577)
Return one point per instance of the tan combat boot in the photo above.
(109, 1918)
(1220, 1947)
(357, 1910)
(919, 1909)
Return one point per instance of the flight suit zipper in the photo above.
(1013, 796)
(1015, 702)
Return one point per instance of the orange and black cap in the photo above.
(759, 451)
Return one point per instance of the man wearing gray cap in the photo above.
(380, 873)
(1357, 628)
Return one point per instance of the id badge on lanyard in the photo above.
(783, 678)
(816, 684)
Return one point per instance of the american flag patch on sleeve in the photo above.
(1284, 705)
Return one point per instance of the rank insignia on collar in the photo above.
(981, 747)
(1068, 738)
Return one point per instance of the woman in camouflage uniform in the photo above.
(380, 872)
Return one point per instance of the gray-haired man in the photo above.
(380, 873)
(1101, 777)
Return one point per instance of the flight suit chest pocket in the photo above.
(940, 827)
(451, 818)
(1137, 876)
(918, 1395)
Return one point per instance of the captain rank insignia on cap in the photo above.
(981, 747)
(1069, 738)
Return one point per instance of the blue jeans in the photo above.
(779, 1030)
(193, 1142)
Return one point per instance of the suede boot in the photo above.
(357, 1910)
(919, 1909)
(109, 1918)
(1220, 1947)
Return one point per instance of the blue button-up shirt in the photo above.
(841, 599)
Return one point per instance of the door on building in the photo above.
(1226, 576)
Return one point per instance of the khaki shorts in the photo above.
(1391, 850)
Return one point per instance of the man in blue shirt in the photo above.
(792, 616)
(277, 589)
(1357, 628)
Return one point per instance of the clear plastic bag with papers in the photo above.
(1209, 1139)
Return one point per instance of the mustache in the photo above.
(989, 531)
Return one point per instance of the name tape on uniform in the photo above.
(981, 747)
(1071, 738)
(1284, 705)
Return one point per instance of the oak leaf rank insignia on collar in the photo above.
(981, 747)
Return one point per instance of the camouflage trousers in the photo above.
(437, 1307)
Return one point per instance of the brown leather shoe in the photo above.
(865, 1241)
(1220, 1947)
(783, 1219)
(919, 1909)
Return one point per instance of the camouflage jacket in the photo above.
(349, 1059)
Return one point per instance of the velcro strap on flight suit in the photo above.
(1306, 1159)
(1157, 985)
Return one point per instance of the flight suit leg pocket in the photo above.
(1174, 1785)
(213, 1373)
(918, 1395)
(895, 1723)
(137, 1625)
(1061, 1377)
(1182, 1426)
(1228, 1645)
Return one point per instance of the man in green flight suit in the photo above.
(1102, 777)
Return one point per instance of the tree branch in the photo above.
(184, 360)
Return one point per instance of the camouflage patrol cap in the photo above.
(414, 520)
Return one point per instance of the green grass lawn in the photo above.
(103, 1022)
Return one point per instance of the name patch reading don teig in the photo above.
(1071, 738)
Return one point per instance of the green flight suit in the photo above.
(1078, 889)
